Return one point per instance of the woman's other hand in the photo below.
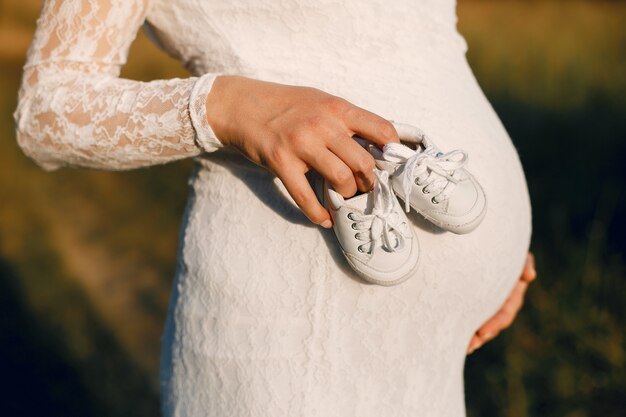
(507, 313)
(290, 130)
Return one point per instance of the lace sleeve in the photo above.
(74, 110)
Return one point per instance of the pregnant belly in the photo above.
(256, 255)
(265, 299)
(262, 240)
(442, 96)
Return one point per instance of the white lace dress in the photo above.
(266, 318)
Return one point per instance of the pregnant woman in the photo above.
(266, 318)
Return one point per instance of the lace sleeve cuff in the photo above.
(197, 110)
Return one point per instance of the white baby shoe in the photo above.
(434, 183)
(374, 234)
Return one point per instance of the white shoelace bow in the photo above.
(431, 168)
(383, 222)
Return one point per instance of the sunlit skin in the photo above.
(507, 313)
(291, 129)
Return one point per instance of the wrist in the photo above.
(219, 102)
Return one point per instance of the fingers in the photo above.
(529, 273)
(409, 133)
(298, 187)
(331, 167)
(318, 135)
(340, 159)
(474, 344)
(360, 161)
(507, 313)
(370, 126)
(502, 319)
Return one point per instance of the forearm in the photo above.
(99, 121)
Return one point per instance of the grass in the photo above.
(86, 257)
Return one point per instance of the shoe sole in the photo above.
(378, 282)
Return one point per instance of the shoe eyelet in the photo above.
(434, 201)
(360, 249)
(351, 216)
(356, 236)
(424, 191)
(354, 226)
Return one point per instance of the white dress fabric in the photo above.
(266, 318)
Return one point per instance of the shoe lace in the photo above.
(432, 169)
(383, 222)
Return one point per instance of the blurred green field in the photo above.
(86, 257)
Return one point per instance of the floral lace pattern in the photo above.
(74, 110)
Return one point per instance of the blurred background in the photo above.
(87, 258)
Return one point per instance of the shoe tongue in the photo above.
(363, 203)
(397, 152)
(399, 149)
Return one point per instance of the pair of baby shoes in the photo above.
(373, 231)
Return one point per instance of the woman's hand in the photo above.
(507, 313)
(289, 130)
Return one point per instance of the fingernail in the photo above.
(474, 347)
(327, 224)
